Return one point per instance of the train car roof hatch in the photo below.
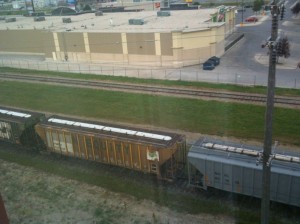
(13, 113)
(111, 129)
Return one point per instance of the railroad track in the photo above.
(149, 89)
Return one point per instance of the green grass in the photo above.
(145, 188)
(91, 175)
(209, 117)
(12, 12)
(202, 85)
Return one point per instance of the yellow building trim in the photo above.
(157, 44)
(177, 39)
(198, 39)
(86, 43)
(54, 56)
(124, 43)
(56, 42)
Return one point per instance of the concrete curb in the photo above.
(234, 41)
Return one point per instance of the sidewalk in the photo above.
(232, 39)
(283, 63)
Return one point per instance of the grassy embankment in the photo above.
(207, 117)
(145, 187)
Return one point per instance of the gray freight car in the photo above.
(237, 169)
(17, 126)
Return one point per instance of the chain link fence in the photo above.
(247, 79)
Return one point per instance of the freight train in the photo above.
(156, 152)
(207, 164)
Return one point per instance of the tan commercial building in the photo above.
(181, 39)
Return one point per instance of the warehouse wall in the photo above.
(229, 21)
(107, 43)
(27, 41)
(166, 44)
(174, 49)
(192, 48)
(141, 43)
(220, 41)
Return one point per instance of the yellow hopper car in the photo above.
(148, 151)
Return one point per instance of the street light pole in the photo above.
(242, 11)
(32, 4)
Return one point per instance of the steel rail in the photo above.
(151, 89)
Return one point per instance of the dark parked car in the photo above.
(215, 59)
(208, 65)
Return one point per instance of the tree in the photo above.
(286, 47)
(87, 8)
(296, 8)
(257, 5)
(283, 48)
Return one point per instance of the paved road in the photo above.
(248, 57)
(247, 63)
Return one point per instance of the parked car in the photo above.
(251, 19)
(208, 65)
(215, 59)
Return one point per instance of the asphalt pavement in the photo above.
(248, 63)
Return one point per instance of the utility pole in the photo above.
(32, 4)
(243, 8)
(266, 159)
